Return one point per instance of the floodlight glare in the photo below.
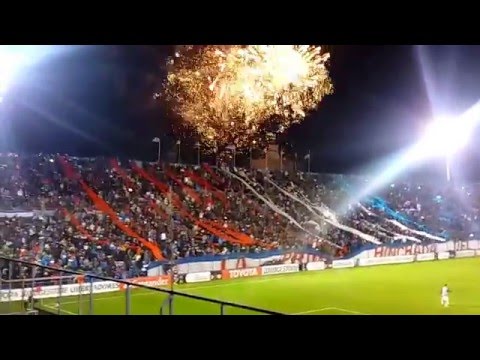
(444, 137)
(15, 58)
(10, 63)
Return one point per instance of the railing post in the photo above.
(23, 291)
(127, 296)
(10, 273)
(222, 309)
(10, 297)
(59, 300)
(91, 296)
(32, 291)
(80, 283)
(170, 305)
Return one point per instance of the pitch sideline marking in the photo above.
(329, 308)
(61, 310)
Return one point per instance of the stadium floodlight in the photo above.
(15, 58)
(10, 63)
(444, 137)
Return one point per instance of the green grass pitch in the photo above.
(389, 289)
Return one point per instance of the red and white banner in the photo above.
(386, 251)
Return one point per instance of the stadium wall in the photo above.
(243, 261)
(443, 252)
(54, 291)
(414, 249)
(238, 261)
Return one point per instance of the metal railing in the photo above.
(28, 312)
(97, 298)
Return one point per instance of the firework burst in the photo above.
(229, 94)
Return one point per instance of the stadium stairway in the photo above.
(101, 205)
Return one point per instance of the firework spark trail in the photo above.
(229, 93)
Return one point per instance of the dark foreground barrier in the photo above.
(74, 293)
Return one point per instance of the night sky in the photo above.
(98, 101)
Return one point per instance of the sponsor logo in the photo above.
(341, 264)
(317, 265)
(153, 281)
(240, 273)
(101, 286)
(443, 255)
(5, 295)
(426, 257)
(53, 291)
(197, 277)
(279, 269)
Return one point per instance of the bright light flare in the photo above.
(444, 137)
(15, 58)
(10, 63)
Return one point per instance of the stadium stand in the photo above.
(115, 217)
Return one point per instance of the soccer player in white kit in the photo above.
(445, 301)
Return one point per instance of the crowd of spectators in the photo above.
(108, 216)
